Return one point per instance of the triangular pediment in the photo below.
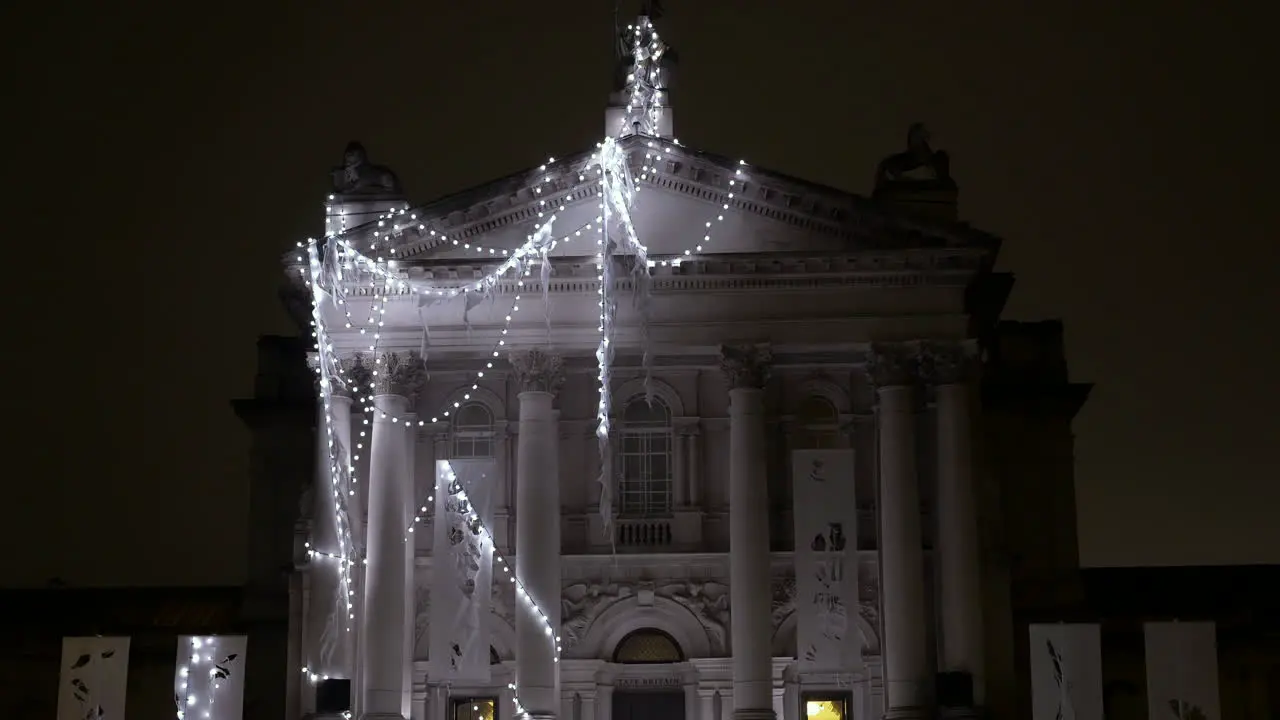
(683, 196)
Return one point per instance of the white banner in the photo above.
(1182, 670)
(208, 678)
(1066, 671)
(461, 573)
(94, 678)
(824, 511)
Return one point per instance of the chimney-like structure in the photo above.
(640, 102)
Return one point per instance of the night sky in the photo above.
(161, 158)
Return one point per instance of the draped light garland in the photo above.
(615, 230)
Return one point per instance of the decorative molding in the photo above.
(472, 392)
(893, 364)
(537, 370)
(950, 363)
(399, 374)
(637, 387)
(746, 366)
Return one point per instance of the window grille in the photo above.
(472, 432)
(645, 485)
(648, 646)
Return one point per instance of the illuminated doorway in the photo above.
(825, 706)
(648, 647)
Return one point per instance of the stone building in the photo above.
(774, 322)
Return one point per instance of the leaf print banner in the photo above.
(1182, 670)
(1066, 671)
(94, 678)
(824, 515)
(208, 680)
(461, 573)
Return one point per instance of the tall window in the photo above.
(645, 485)
(472, 432)
(817, 425)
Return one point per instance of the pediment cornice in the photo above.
(519, 200)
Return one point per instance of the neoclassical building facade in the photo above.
(692, 569)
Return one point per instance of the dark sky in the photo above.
(163, 156)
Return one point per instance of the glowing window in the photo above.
(648, 646)
(824, 708)
(482, 708)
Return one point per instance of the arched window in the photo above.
(646, 484)
(648, 646)
(472, 432)
(817, 425)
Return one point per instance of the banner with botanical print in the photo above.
(1182, 670)
(824, 512)
(94, 678)
(1066, 671)
(208, 678)
(461, 572)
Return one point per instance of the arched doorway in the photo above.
(648, 646)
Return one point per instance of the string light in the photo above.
(618, 189)
(464, 505)
(200, 677)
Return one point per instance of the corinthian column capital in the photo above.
(537, 370)
(893, 364)
(349, 375)
(396, 373)
(949, 363)
(746, 366)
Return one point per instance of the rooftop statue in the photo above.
(358, 176)
(918, 164)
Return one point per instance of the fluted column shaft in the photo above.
(960, 568)
(906, 669)
(746, 369)
(538, 531)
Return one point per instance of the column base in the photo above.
(754, 714)
(918, 712)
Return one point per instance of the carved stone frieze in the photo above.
(394, 373)
(892, 364)
(746, 366)
(537, 370)
(582, 603)
(784, 599)
(949, 363)
(709, 602)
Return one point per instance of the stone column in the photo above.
(747, 370)
(604, 702)
(410, 552)
(893, 369)
(539, 375)
(396, 378)
(706, 704)
(330, 644)
(951, 368)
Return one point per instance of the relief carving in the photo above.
(581, 604)
(501, 600)
(784, 600)
(537, 370)
(709, 602)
